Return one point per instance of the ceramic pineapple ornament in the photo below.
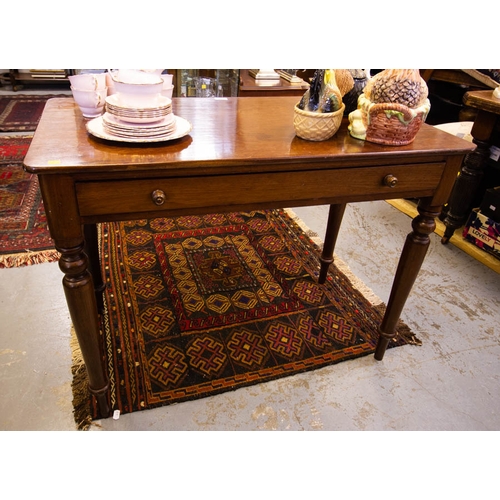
(403, 86)
(392, 108)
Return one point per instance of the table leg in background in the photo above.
(469, 179)
(332, 231)
(92, 251)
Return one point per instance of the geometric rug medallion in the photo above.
(199, 305)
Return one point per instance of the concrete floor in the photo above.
(451, 382)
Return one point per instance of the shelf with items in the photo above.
(233, 83)
(409, 207)
(18, 78)
(205, 82)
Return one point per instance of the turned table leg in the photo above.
(471, 174)
(414, 250)
(59, 198)
(82, 305)
(464, 190)
(332, 230)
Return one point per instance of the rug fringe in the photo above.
(403, 331)
(22, 134)
(28, 258)
(79, 386)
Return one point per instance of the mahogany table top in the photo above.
(246, 133)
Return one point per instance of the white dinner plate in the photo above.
(162, 103)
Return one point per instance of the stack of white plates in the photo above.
(119, 128)
(151, 123)
(155, 120)
(153, 113)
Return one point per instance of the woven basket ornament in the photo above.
(318, 115)
(317, 126)
(391, 109)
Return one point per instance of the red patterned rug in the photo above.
(21, 113)
(199, 305)
(24, 236)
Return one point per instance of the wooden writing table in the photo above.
(241, 155)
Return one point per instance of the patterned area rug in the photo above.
(22, 112)
(24, 236)
(195, 306)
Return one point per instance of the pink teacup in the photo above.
(88, 81)
(91, 102)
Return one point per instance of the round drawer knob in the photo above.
(158, 197)
(390, 180)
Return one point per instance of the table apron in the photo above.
(273, 189)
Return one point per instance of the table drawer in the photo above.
(276, 189)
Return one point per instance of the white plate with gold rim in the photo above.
(162, 102)
(182, 128)
(111, 122)
(139, 115)
(137, 120)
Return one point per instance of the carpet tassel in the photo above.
(79, 386)
(403, 331)
(28, 258)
